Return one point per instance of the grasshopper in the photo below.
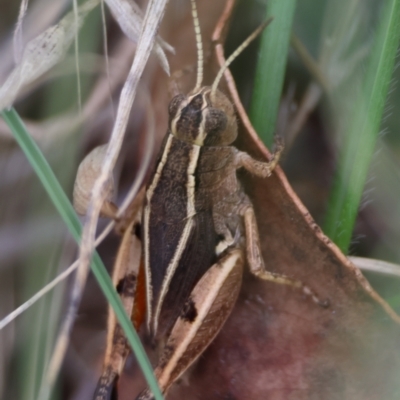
(198, 228)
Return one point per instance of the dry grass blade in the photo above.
(54, 128)
(46, 289)
(42, 53)
(18, 31)
(152, 19)
(76, 45)
(379, 266)
(51, 285)
(130, 17)
(144, 165)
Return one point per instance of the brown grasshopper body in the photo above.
(192, 204)
(195, 223)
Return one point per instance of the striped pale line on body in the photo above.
(201, 135)
(190, 212)
(219, 273)
(149, 195)
(178, 116)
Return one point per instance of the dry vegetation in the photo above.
(35, 245)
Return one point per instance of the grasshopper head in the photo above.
(198, 119)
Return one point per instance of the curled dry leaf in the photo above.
(130, 18)
(88, 172)
(42, 53)
(279, 345)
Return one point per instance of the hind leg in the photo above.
(256, 261)
(202, 317)
(127, 278)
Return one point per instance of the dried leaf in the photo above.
(43, 53)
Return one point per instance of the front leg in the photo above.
(202, 317)
(253, 247)
(260, 168)
(256, 261)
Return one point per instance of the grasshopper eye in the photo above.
(220, 125)
(216, 123)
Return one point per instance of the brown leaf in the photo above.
(278, 344)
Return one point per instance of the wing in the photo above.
(179, 239)
(198, 256)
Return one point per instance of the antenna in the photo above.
(199, 45)
(235, 54)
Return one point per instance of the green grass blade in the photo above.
(64, 207)
(363, 129)
(270, 69)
